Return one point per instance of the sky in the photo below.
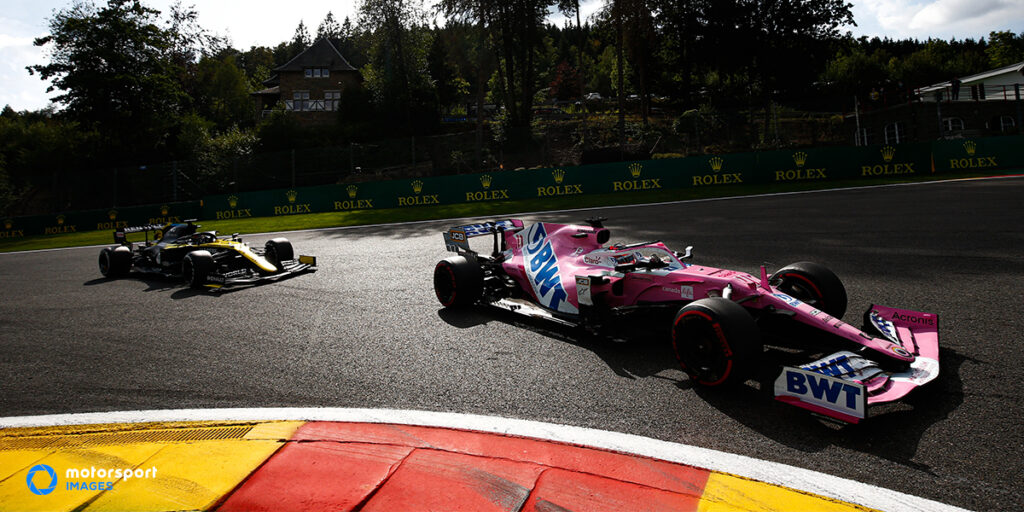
(266, 23)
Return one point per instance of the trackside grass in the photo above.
(385, 216)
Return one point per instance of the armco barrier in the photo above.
(719, 171)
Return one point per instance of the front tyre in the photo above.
(814, 284)
(195, 267)
(278, 250)
(458, 281)
(716, 342)
(115, 261)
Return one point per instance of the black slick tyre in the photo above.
(115, 261)
(195, 267)
(716, 342)
(814, 284)
(278, 250)
(458, 281)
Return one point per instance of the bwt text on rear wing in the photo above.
(457, 238)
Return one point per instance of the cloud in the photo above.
(942, 19)
(21, 91)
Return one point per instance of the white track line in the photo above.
(770, 472)
(520, 214)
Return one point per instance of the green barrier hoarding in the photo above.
(100, 219)
(707, 171)
(979, 154)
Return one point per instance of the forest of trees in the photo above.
(139, 86)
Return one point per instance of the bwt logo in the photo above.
(31, 475)
(822, 388)
(543, 269)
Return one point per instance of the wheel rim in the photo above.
(699, 348)
(799, 287)
(444, 284)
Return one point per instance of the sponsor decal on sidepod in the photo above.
(542, 269)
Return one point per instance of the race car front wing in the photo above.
(245, 276)
(842, 385)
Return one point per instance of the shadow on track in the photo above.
(155, 283)
(640, 355)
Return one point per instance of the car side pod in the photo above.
(844, 384)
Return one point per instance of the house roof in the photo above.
(1017, 68)
(321, 54)
(1012, 68)
(268, 91)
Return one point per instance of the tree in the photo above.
(328, 28)
(301, 40)
(398, 57)
(222, 92)
(1004, 48)
(113, 65)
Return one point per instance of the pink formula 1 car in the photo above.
(720, 319)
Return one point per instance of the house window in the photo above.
(300, 100)
(952, 124)
(895, 133)
(332, 100)
(1006, 124)
(317, 73)
(861, 137)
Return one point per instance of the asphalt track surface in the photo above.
(366, 331)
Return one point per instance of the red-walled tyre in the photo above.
(458, 281)
(814, 284)
(716, 342)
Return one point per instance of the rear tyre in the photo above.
(195, 267)
(278, 250)
(814, 284)
(458, 281)
(716, 342)
(115, 261)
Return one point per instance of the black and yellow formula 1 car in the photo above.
(201, 258)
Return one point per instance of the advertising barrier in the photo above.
(765, 168)
(90, 220)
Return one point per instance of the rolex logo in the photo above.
(716, 163)
(291, 194)
(887, 153)
(970, 147)
(485, 180)
(60, 219)
(112, 214)
(232, 201)
(164, 209)
(352, 190)
(8, 223)
(634, 169)
(558, 174)
(417, 186)
(800, 158)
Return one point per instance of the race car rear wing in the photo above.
(456, 239)
(121, 235)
